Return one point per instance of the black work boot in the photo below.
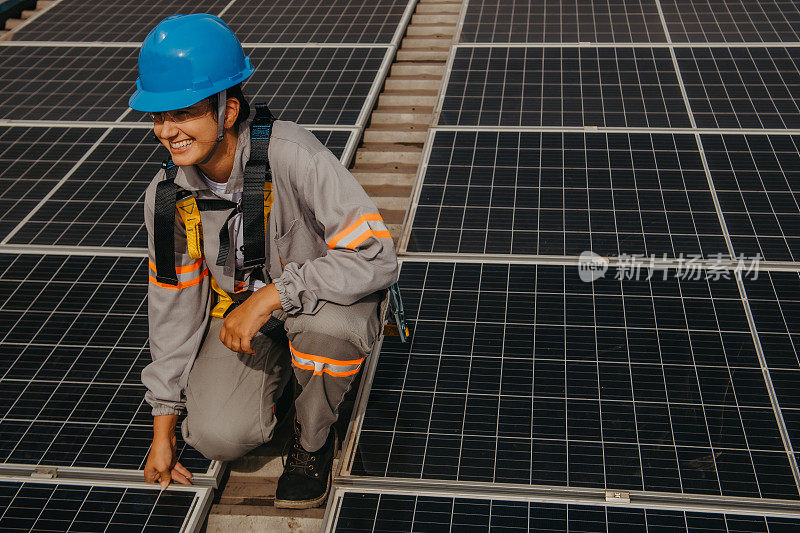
(306, 477)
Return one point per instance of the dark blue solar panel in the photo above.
(611, 87)
(757, 181)
(102, 202)
(36, 506)
(526, 374)
(742, 87)
(306, 85)
(368, 512)
(32, 162)
(565, 193)
(317, 21)
(599, 21)
(774, 298)
(732, 21)
(74, 339)
(108, 21)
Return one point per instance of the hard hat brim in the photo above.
(150, 102)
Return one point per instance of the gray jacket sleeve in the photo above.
(177, 317)
(361, 258)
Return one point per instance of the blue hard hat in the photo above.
(186, 58)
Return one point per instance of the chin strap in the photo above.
(222, 102)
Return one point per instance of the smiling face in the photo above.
(189, 133)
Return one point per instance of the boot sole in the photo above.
(316, 502)
(304, 504)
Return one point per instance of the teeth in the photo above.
(181, 144)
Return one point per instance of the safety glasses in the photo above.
(185, 114)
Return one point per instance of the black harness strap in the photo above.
(256, 173)
(214, 205)
(224, 240)
(164, 225)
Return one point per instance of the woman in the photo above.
(317, 273)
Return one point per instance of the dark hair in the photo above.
(244, 105)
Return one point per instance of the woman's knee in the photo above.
(337, 328)
(218, 438)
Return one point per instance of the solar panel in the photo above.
(306, 85)
(742, 87)
(564, 193)
(331, 21)
(32, 161)
(774, 299)
(102, 202)
(323, 86)
(83, 506)
(74, 340)
(757, 179)
(571, 21)
(109, 21)
(610, 87)
(358, 512)
(731, 20)
(65, 83)
(526, 374)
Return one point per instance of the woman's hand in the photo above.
(161, 466)
(244, 322)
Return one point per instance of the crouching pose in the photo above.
(266, 259)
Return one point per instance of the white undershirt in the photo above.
(219, 190)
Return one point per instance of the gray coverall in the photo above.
(329, 255)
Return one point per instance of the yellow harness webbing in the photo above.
(190, 215)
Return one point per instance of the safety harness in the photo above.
(255, 206)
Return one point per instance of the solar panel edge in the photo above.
(77, 503)
(435, 479)
(359, 508)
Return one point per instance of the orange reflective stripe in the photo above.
(340, 374)
(182, 269)
(325, 360)
(298, 364)
(182, 284)
(366, 235)
(301, 365)
(363, 218)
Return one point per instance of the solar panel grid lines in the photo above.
(358, 511)
(773, 300)
(311, 85)
(114, 21)
(774, 397)
(312, 21)
(757, 184)
(491, 21)
(742, 87)
(338, 22)
(445, 426)
(552, 193)
(581, 86)
(67, 505)
(731, 22)
(100, 201)
(323, 86)
(65, 83)
(74, 343)
(32, 161)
